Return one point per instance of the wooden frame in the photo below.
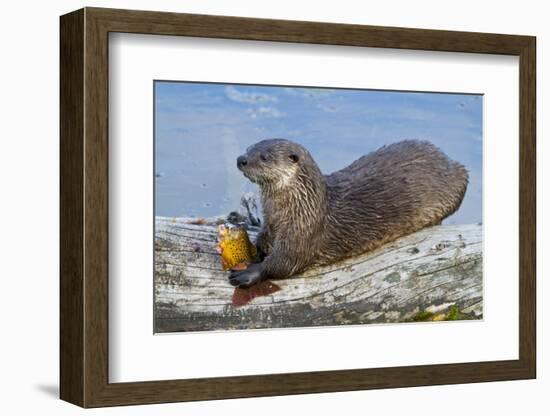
(84, 207)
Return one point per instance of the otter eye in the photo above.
(263, 158)
(294, 158)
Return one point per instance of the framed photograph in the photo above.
(255, 207)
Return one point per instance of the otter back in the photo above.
(394, 191)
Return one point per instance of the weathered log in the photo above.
(433, 274)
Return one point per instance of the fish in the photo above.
(235, 248)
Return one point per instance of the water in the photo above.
(200, 129)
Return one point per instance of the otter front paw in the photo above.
(246, 278)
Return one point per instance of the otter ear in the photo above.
(294, 158)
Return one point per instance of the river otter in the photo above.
(312, 219)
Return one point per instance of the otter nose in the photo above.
(241, 161)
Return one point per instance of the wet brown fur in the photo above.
(312, 219)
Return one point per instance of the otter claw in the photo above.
(245, 278)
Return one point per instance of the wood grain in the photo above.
(84, 279)
(528, 209)
(71, 342)
(430, 272)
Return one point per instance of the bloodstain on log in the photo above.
(242, 297)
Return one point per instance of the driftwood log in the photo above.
(434, 274)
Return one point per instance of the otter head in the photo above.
(275, 164)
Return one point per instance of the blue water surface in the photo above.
(201, 128)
